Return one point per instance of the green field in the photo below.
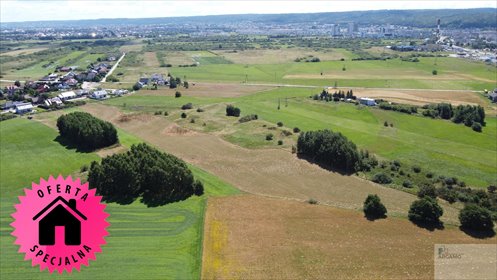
(452, 73)
(144, 243)
(439, 146)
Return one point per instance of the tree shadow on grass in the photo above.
(70, 145)
(431, 226)
(325, 166)
(477, 233)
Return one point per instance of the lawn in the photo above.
(144, 243)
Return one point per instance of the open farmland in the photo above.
(251, 237)
(144, 243)
(256, 170)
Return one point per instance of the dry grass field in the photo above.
(150, 59)
(281, 55)
(252, 237)
(22, 51)
(267, 172)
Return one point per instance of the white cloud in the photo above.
(17, 10)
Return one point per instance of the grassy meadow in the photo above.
(143, 243)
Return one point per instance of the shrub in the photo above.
(86, 131)
(198, 188)
(177, 94)
(187, 106)
(312, 201)
(248, 118)
(475, 217)
(280, 124)
(434, 72)
(280, 142)
(286, 133)
(492, 189)
(296, 130)
(157, 177)
(294, 149)
(476, 127)
(425, 210)
(382, 178)
(385, 123)
(373, 208)
(166, 113)
(183, 115)
(232, 111)
(200, 110)
(84, 168)
(269, 136)
(407, 184)
(429, 175)
(427, 191)
(192, 121)
(416, 169)
(329, 148)
(447, 195)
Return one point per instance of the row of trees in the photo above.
(86, 131)
(336, 96)
(427, 212)
(467, 114)
(157, 177)
(408, 109)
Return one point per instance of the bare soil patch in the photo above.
(421, 97)
(252, 237)
(150, 59)
(175, 129)
(267, 172)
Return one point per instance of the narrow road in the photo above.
(113, 68)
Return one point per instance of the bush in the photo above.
(248, 118)
(183, 115)
(312, 201)
(474, 217)
(296, 130)
(416, 169)
(429, 175)
(280, 142)
(382, 178)
(86, 131)
(192, 121)
(187, 106)
(200, 110)
(425, 210)
(177, 94)
(385, 123)
(329, 148)
(427, 191)
(198, 188)
(373, 208)
(269, 137)
(157, 177)
(476, 127)
(280, 124)
(166, 113)
(232, 111)
(84, 168)
(407, 184)
(294, 149)
(434, 72)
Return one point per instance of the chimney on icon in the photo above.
(72, 203)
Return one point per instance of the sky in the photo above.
(32, 10)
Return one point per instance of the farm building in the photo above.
(367, 101)
(67, 95)
(99, 94)
(23, 108)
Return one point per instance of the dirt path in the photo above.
(267, 172)
(113, 68)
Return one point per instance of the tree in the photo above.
(172, 83)
(17, 83)
(177, 94)
(183, 115)
(425, 211)
(474, 217)
(373, 208)
(476, 127)
(137, 86)
(427, 191)
(331, 149)
(232, 111)
(280, 124)
(434, 72)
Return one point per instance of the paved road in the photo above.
(113, 68)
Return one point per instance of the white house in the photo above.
(367, 101)
(67, 95)
(23, 108)
(99, 94)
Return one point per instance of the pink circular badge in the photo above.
(60, 224)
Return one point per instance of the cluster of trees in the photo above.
(232, 111)
(408, 109)
(86, 131)
(157, 177)
(330, 148)
(336, 96)
(309, 58)
(473, 116)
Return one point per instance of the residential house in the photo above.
(144, 81)
(53, 101)
(24, 108)
(99, 94)
(67, 95)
